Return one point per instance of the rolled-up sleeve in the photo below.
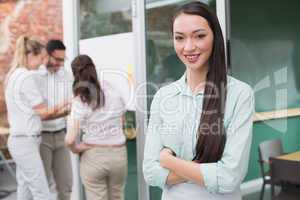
(154, 174)
(226, 175)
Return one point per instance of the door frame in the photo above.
(71, 37)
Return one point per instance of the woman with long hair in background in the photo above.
(200, 128)
(97, 110)
(25, 110)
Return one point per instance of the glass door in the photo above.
(106, 36)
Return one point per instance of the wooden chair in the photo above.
(267, 149)
(285, 173)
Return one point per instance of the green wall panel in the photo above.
(265, 53)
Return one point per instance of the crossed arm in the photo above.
(224, 176)
(180, 170)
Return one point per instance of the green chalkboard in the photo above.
(265, 50)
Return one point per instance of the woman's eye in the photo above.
(200, 36)
(178, 38)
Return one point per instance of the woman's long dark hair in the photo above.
(211, 131)
(86, 84)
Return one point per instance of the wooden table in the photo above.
(295, 156)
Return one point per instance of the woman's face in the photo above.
(193, 41)
(34, 61)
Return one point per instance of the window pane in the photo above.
(105, 17)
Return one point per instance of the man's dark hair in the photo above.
(53, 45)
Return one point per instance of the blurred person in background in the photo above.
(25, 110)
(55, 86)
(97, 110)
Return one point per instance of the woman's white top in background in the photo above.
(21, 95)
(102, 126)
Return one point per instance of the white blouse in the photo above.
(21, 95)
(102, 126)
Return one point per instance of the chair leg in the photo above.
(261, 197)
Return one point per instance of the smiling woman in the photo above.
(200, 127)
(193, 41)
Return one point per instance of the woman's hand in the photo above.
(174, 179)
(83, 147)
(47, 113)
(79, 148)
(66, 108)
(165, 156)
